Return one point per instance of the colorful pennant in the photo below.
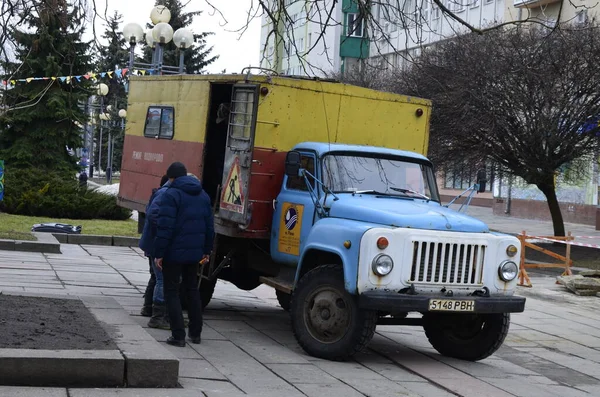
(88, 76)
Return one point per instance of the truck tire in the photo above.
(283, 299)
(326, 320)
(470, 337)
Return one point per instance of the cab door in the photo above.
(294, 214)
(233, 205)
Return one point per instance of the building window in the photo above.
(462, 178)
(355, 27)
(425, 10)
(582, 17)
(298, 182)
(160, 122)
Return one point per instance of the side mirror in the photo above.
(481, 181)
(292, 163)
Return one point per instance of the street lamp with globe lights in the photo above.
(157, 37)
(183, 38)
(134, 34)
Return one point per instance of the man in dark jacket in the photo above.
(184, 237)
(156, 298)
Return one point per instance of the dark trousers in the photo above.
(172, 273)
(150, 287)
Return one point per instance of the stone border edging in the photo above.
(92, 239)
(45, 243)
(140, 360)
(49, 243)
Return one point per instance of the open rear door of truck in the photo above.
(238, 154)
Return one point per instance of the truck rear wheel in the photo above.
(471, 337)
(283, 299)
(326, 319)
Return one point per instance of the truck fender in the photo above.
(325, 244)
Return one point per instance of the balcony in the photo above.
(533, 3)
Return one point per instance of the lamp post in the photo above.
(156, 38)
(183, 38)
(134, 34)
(102, 92)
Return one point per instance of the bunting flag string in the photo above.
(119, 73)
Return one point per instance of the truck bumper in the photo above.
(393, 302)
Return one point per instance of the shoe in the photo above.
(159, 318)
(146, 311)
(175, 342)
(195, 340)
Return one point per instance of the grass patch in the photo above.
(21, 225)
(12, 235)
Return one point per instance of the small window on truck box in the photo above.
(160, 122)
(298, 182)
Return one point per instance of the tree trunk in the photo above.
(557, 220)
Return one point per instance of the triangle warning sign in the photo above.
(232, 198)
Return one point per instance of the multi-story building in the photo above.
(304, 41)
(392, 38)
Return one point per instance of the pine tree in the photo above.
(112, 56)
(40, 123)
(197, 57)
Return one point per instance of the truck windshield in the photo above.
(353, 173)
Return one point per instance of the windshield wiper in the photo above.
(366, 191)
(397, 189)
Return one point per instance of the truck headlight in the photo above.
(511, 250)
(508, 271)
(382, 265)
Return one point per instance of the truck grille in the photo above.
(447, 263)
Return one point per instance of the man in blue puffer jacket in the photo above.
(184, 237)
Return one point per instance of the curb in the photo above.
(140, 360)
(92, 239)
(46, 243)
(49, 243)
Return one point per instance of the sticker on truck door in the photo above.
(290, 226)
(232, 198)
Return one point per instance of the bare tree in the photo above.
(524, 98)
(384, 24)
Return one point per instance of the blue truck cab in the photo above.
(363, 238)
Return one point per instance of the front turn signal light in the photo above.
(382, 243)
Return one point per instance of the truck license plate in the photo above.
(451, 305)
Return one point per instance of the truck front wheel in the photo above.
(469, 337)
(326, 319)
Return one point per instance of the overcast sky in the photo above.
(234, 52)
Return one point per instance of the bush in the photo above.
(35, 192)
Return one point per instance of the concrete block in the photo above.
(149, 364)
(89, 239)
(112, 316)
(61, 368)
(14, 391)
(7, 245)
(45, 237)
(37, 246)
(62, 238)
(119, 241)
(97, 302)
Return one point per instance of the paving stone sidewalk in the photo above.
(553, 349)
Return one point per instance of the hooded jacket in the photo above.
(149, 233)
(185, 228)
